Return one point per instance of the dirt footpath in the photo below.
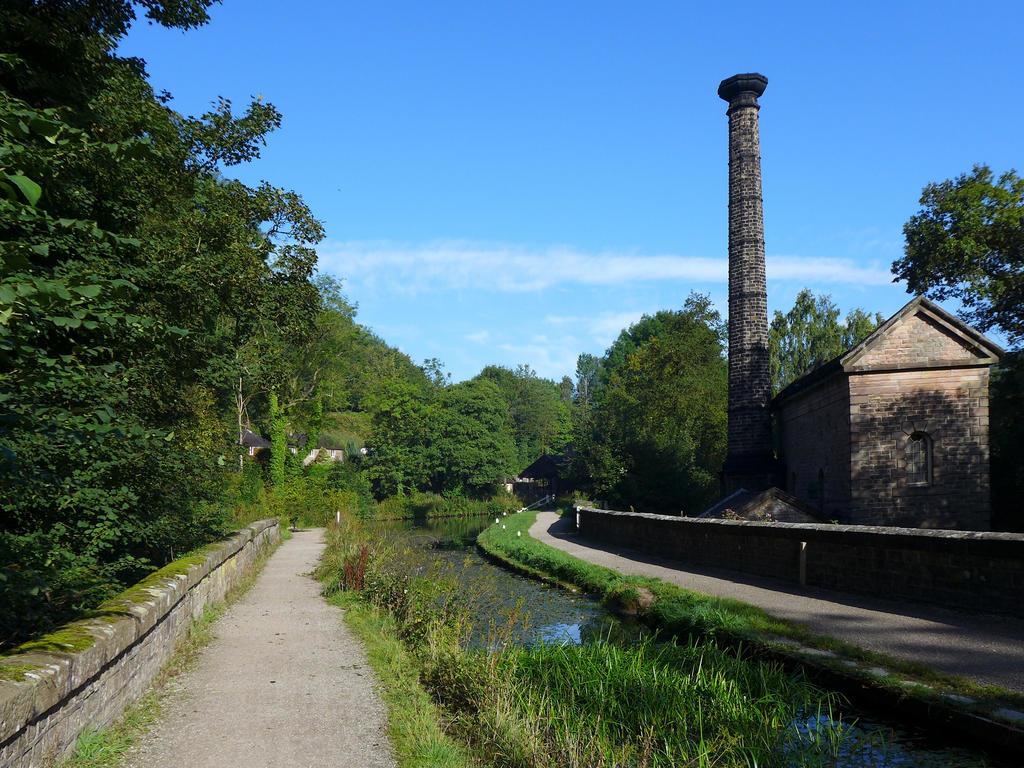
(284, 684)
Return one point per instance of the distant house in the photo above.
(327, 450)
(547, 475)
(253, 443)
(296, 441)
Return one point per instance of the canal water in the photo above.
(550, 614)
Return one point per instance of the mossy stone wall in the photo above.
(85, 674)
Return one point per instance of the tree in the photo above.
(278, 443)
(145, 297)
(967, 243)
(654, 439)
(588, 373)
(399, 458)
(315, 426)
(539, 417)
(434, 370)
(474, 448)
(859, 325)
(566, 390)
(810, 335)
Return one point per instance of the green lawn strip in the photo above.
(107, 747)
(414, 721)
(683, 612)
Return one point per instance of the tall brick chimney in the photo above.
(750, 463)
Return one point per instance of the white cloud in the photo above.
(551, 360)
(480, 337)
(603, 327)
(507, 267)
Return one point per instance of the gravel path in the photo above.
(283, 685)
(989, 649)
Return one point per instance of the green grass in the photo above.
(107, 747)
(414, 721)
(684, 613)
(659, 704)
(603, 704)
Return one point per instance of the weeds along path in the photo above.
(283, 684)
(987, 649)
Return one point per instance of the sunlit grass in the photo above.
(684, 613)
(600, 704)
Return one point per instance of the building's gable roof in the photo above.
(251, 440)
(971, 346)
(770, 505)
(331, 443)
(546, 466)
(926, 322)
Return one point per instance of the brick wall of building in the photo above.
(920, 378)
(749, 380)
(749, 463)
(916, 340)
(951, 407)
(814, 431)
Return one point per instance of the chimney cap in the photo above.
(751, 83)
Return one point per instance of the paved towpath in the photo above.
(989, 649)
(284, 684)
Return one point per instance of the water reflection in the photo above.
(560, 634)
(551, 615)
(541, 613)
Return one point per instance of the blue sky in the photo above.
(515, 182)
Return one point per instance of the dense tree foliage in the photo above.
(967, 243)
(538, 410)
(810, 334)
(466, 437)
(651, 414)
(474, 449)
(152, 310)
(140, 291)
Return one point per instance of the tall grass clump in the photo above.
(652, 704)
(602, 704)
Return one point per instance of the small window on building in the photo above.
(919, 459)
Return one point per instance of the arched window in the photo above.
(919, 459)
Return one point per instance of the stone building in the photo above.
(892, 432)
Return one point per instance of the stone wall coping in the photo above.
(48, 677)
(989, 543)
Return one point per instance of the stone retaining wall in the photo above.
(968, 570)
(48, 696)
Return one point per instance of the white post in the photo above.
(803, 563)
